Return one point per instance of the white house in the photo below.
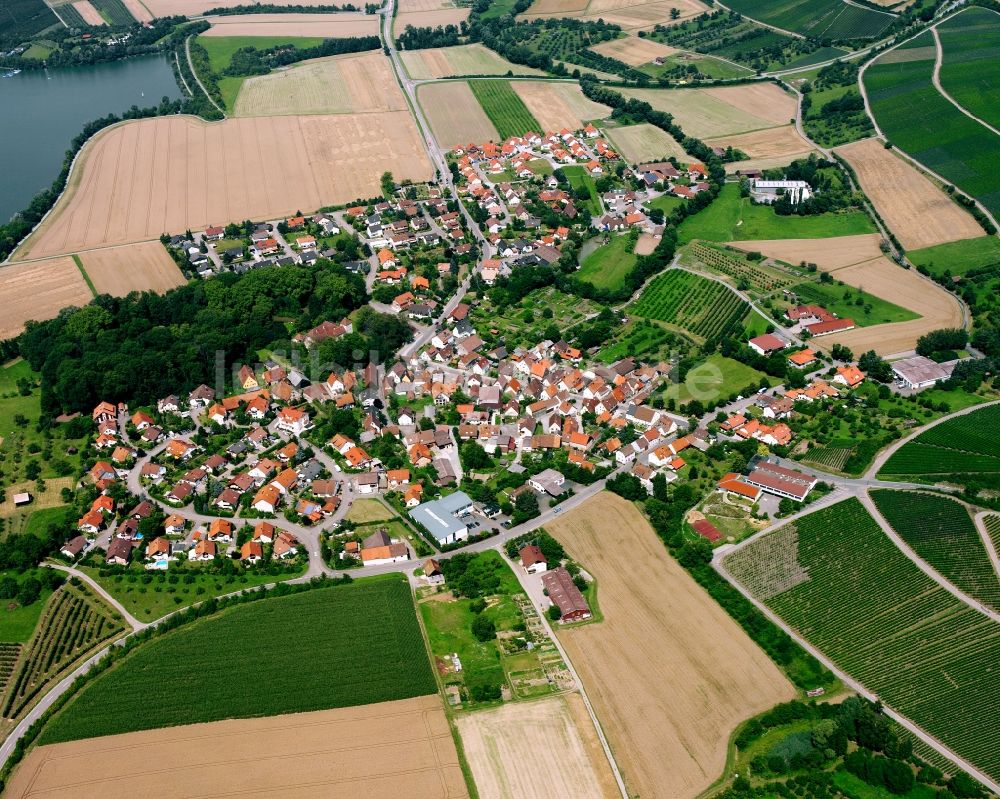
(767, 191)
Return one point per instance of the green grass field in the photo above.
(734, 218)
(716, 377)
(838, 580)
(17, 623)
(607, 266)
(920, 121)
(958, 257)
(665, 202)
(326, 648)
(220, 49)
(843, 301)
(506, 110)
(941, 532)
(579, 178)
(970, 67)
(820, 19)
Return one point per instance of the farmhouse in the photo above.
(378, 548)
(830, 326)
(919, 372)
(532, 559)
(443, 517)
(767, 344)
(565, 595)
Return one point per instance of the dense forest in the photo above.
(143, 347)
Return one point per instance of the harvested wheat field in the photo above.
(558, 105)
(341, 84)
(140, 179)
(328, 26)
(119, 271)
(38, 291)
(784, 142)
(645, 142)
(634, 51)
(536, 750)
(422, 5)
(704, 115)
(384, 751)
(764, 100)
(462, 59)
(916, 210)
(827, 254)
(630, 15)
(190, 8)
(429, 19)
(669, 673)
(138, 10)
(455, 115)
(90, 14)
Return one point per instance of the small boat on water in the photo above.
(10, 73)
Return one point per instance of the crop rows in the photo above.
(71, 625)
(970, 71)
(71, 16)
(940, 531)
(964, 445)
(506, 110)
(115, 11)
(9, 653)
(886, 623)
(324, 648)
(820, 19)
(832, 457)
(992, 523)
(738, 267)
(703, 307)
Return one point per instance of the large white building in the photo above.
(443, 517)
(767, 191)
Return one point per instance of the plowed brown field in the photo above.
(138, 10)
(536, 750)
(136, 267)
(383, 751)
(140, 179)
(90, 14)
(917, 211)
(669, 673)
(38, 291)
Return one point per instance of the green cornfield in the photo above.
(506, 110)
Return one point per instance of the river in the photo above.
(42, 111)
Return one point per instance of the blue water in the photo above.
(41, 112)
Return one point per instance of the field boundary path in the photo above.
(194, 72)
(850, 682)
(936, 80)
(920, 563)
(572, 670)
(131, 620)
(984, 534)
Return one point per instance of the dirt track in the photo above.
(384, 751)
(536, 750)
(140, 179)
(670, 674)
(135, 267)
(916, 210)
(39, 291)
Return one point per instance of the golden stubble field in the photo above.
(558, 105)
(634, 51)
(782, 144)
(429, 19)
(536, 750)
(188, 8)
(630, 15)
(38, 291)
(645, 142)
(383, 751)
(342, 25)
(858, 262)
(454, 114)
(341, 84)
(916, 210)
(135, 267)
(669, 673)
(462, 59)
(140, 179)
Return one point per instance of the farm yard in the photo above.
(702, 308)
(849, 302)
(139, 179)
(326, 753)
(39, 290)
(73, 623)
(323, 26)
(454, 114)
(940, 530)
(462, 59)
(504, 107)
(965, 445)
(970, 66)
(136, 267)
(645, 142)
(694, 682)
(915, 209)
(558, 105)
(820, 19)
(338, 85)
(364, 638)
(915, 117)
(818, 575)
(537, 750)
